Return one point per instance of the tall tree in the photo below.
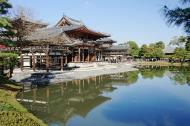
(5, 25)
(179, 16)
(181, 41)
(187, 45)
(143, 50)
(160, 44)
(154, 50)
(22, 24)
(133, 48)
(6, 59)
(181, 54)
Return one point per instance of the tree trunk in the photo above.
(10, 72)
(2, 70)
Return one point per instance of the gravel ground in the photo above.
(61, 76)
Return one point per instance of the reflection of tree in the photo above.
(122, 78)
(59, 103)
(181, 77)
(179, 74)
(132, 77)
(152, 71)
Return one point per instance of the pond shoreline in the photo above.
(11, 111)
(160, 63)
(79, 73)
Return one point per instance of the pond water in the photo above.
(152, 96)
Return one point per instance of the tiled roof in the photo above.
(117, 47)
(71, 27)
(104, 40)
(54, 35)
(169, 49)
(73, 21)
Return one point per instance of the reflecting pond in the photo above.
(152, 96)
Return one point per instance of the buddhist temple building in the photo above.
(116, 53)
(69, 41)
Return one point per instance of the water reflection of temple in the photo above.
(58, 103)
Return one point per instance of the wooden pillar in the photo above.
(79, 55)
(66, 60)
(88, 55)
(47, 94)
(83, 56)
(73, 56)
(21, 62)
(47, 59)
(100, 55)
(83, 83)
(66, 83)
(95, 80)
(61, 62)
(47, 63)
(62, 89)
(79, 86)
(95, 54)
(33, 62)
(34, 95)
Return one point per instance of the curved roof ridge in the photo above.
(73, 21)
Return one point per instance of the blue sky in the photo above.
(138, 20)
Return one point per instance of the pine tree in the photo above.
(179, 16)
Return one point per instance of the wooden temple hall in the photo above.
(69, 41)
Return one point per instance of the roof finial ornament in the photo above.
(64, 14)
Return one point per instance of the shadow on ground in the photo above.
(39, 79)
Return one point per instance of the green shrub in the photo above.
(6, 107)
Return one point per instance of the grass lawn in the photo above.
(12, 113)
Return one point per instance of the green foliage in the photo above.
(7, 42)
(13, 118)
(181, 41)
(179, 16)
(133, 48)
(6, 107)
(187, 46)
(158, 53)
(4, 23)
(4, 7)
(181, 54)
(132, 77)
(153, 71)
(160, 45)
(8, 55)
(143, 50)
(154, 50)
(8, 60)
(178, 41)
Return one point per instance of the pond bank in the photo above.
(160, 63)
(28, 77)
(11, 112)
